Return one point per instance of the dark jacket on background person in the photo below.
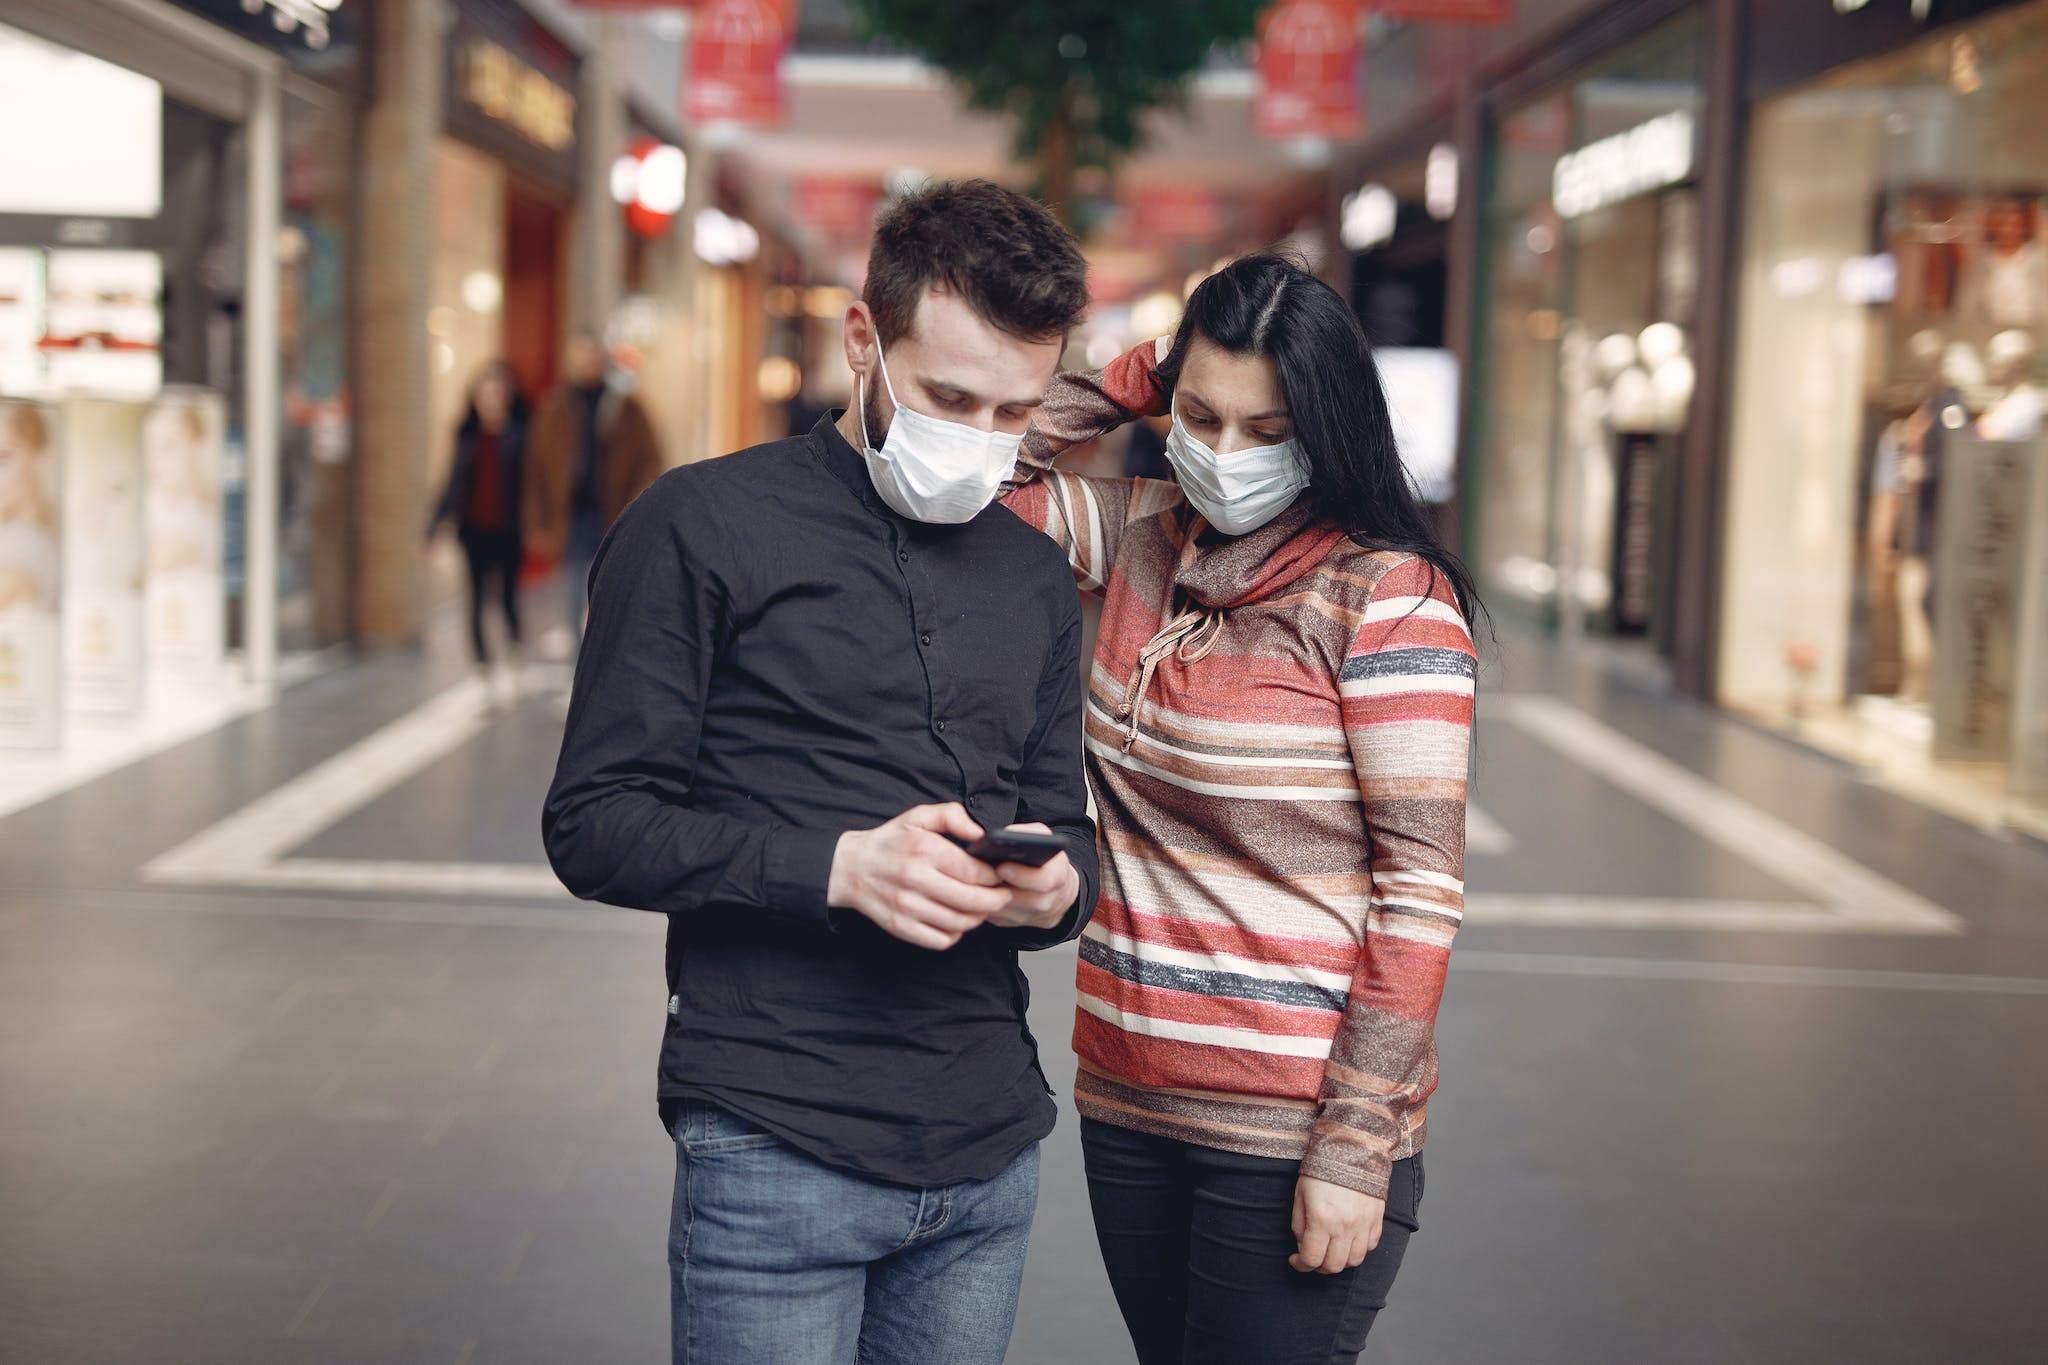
(775, 657)
(627, 459)
(484, 494)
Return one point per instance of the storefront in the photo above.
(147, 258)
(1885, 584)
(1589, 269)
(506, 178)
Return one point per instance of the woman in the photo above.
(1277, 729)
(482, 500)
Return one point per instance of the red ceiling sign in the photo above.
(1166, 214)
(836, 205)
(1308, 70)
(735, 61)
(1445, 11)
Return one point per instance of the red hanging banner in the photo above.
(840, 207)
(1445, 11)
(734, 72)
(1308, 70)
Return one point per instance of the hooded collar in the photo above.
(1220, 572)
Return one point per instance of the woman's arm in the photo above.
(1406, 688)
(1087, 515)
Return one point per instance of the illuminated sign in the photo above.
(513, 93)
(1647, 157)
(1369, 217)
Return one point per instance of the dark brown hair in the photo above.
(1002, 252)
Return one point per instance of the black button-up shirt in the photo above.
(773, 658)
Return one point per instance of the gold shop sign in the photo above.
(516, 95)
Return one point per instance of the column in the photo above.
(597, 244)
(392, 285)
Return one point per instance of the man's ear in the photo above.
(859, 335)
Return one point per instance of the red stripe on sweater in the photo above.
(1400, 708)
(1401, 976)
(1218, 1011)
(1170, 1063)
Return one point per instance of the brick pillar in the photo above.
(392, 285)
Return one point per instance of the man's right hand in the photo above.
(913, 881)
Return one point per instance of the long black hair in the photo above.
(1270, 306)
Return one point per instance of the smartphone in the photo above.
(1016, 846)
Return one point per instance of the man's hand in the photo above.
(913, 881)
(1334, 1228)
(1039, 896)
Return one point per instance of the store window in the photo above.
(1886, 589)
(1591, 259)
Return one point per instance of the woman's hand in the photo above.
(1334, 1228)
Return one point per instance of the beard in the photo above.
(871, 413)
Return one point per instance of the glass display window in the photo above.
(1591, 239)
(1885, 590)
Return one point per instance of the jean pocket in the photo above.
(709, 1129)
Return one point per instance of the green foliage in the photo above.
(1075, 75)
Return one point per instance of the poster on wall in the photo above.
(184, 584)
(30, 564)
(1978, 555)
(103, 556)
(103, 326)
(21, 321)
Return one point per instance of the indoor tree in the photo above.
(1076, 76)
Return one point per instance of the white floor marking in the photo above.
(1853, 896)
(1659, 912)
(1743, 973)
(92, 749)
(1484, 834)
(249, 848)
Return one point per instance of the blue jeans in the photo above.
(776, 1257)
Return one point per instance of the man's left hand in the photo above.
(1335, 1228)
(1039, 896)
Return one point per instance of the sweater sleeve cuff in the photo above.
(1351, 1164)
(799, 872)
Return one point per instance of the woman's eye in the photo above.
(1269, 438)
(1199, 420)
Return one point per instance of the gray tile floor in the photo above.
(250, 1126)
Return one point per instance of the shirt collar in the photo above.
(845, 463)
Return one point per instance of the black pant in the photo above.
(493, 558)
(1196, 1242)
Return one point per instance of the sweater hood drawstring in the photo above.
(1191, 635)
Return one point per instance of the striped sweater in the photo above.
(1277, 731)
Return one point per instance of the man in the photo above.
(591, 451)
(810, 668)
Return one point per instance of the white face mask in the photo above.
(1241, 491)
(933, 470)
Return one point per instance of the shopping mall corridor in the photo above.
(303, 1058)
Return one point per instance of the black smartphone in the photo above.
(1015, 846)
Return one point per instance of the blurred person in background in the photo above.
(482, 501)
(1277, 730)
(811, 669)
(592, 451)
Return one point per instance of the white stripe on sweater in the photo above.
(1214, 1035)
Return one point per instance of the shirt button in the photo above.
(940, 727)
(903, 555)
(925, 638)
